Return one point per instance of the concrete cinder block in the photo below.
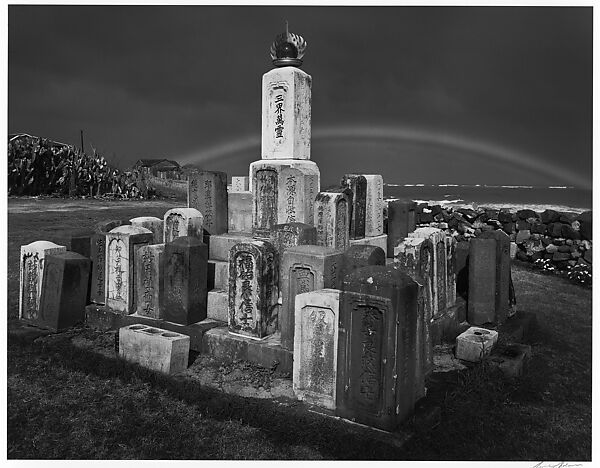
(475, 344)
(221, 244)
(375, 241)
(154, 348)
(218, 303)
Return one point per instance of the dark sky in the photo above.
(419, 94)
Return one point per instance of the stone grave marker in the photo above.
(305, 268)
(182, 222)
(374, 211)
(240, 212)
(31, 276)
(207, 193)
(400, 222)
(333, 211)
(121, 245)
(240, 184)
(284, 236)
(358, 185)
(502, 262)
(64, 290)
(482, 280)
(78, 241)
(450, 271)
(149, 265)
(153, 224)
(358, 256)
(316, 347)
(253, 289)
(185, 281)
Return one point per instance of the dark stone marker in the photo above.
(332, 215)
(64, 290)
(482, 281)
(461, 266)
(253, 288)
(284, 236)
(358, 185)
(502, 263)
(78, 241)
(207, 192)
(377, 347)
(98, 257)
(305, 268)
(185, 280)
(401, 221)
(264, 212)
(359, 256)
(149, 267)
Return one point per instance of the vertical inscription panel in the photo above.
(117, 275)
(265, 199)
(149, 278)
(174, 227)
(97, 294)
(30, 286)
(243, 307)
(342, 228)
(441, 279)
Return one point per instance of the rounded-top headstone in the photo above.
(131, 230)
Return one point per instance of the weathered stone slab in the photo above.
(475, 343)
(240, 212)
(482, 280)
(181, 222)
(333, 212)
(377, 347)
(218, 305)
(461, 266)
(64, 290)
(221, 244)
(154, 348)
(286, 114)
(376, 241)
(511, 360)
(305, 268)
(240, 184)
(358, 185)
(153, 224)
(121, 245)
(502, 262)
(149, 265)
(401, 221)
(253, 289)
(98, 256)
(218, 274)
(207, 193)
(316, 347)
(284, 236)
(374, 212)
(450, 243)
(78, 241)
(359, 256)
(185, 280)
(31, 276)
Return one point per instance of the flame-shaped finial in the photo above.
(288, 49)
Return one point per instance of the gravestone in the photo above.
(121, 245)
(240, 184)
(98, 256)
(253, 289)
(305, 268)
(400, 222)
(207, 193)
(240, 212)
(78, 241)
(316, 347)
(502, 262)
(482, 280)
(64, 290)
(374, 212)
(450, 242)
(284, 236)
(31, 275)
(437, 238)
(374, 241)
(149, 265)
(286, 114)
(183, 222)
(185, 281)
(358, 185)
(333, 211)
(153, 224)
(377, 347)
(359, 256)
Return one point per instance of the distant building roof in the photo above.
(154, 162)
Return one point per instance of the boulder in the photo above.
(505, 216)
(524, 214)
(566, 218)
(585, 225)
(587, 256)
(564, 248)
(522, 256)
(561, 256)
(523, 225)
(569, 233)
(539, 228)
(522, 236)
(555, 229)
(551, 248)
(550, 216)
(508, 227)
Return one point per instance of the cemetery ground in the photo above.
(69, 396)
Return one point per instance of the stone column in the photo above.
(358, 185)
(401, 221)
(149, 264)
(482, 281)
(450, 271)
(502, 261)
(181, 222)
(152, 223)
(207, 193)
(333, 211)
(374, 213)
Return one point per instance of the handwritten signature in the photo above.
(556, 465)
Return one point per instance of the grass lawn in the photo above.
(66, 401)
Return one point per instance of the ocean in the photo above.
(559, 198)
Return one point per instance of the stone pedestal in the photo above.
(358, 185)
(305, 268)
(475, 343)
(253, 289)
(221, 244)
(482, 281)
(64, 290)
(207, 193)
(316, 347)
(375, 241)
(185, 281)
(149, 265)
(121, 245)
(333, 211)
(153, 224)
(359, 256)
(283, 191)
(78, 241)
(400, 222)
(240, 212)
(284, 236)
(377, 347)
(374, 212)
(31, 276)
(181, 222)
(286, 114)
(502, 262)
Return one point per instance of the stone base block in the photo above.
(103, 318)
(475, 344)
(154, 348)
(218, 303)
(221, 244)
(240, 211)
(512, 359)
(267, 353)
(218, 274)
(376, 241)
